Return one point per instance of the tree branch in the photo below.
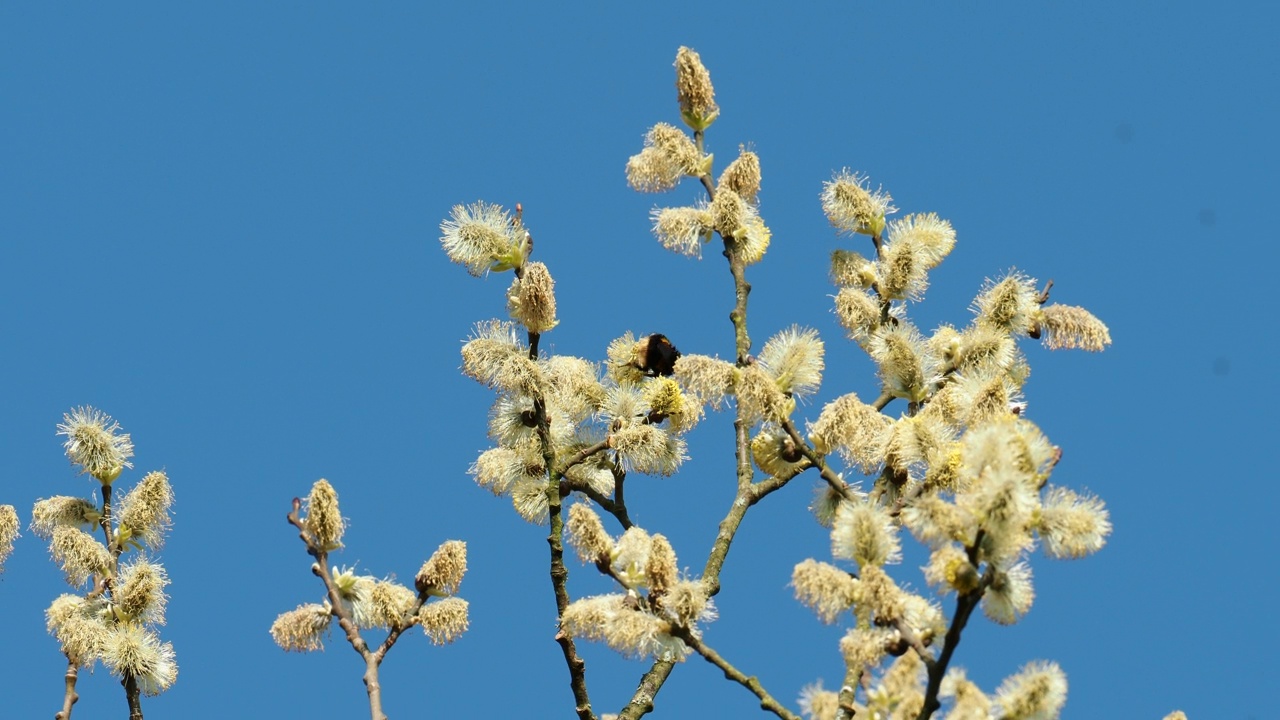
(847, 697)
(642, 701)
(833, 480)
(559, 573)
(133, 695)
(965, 603)
(732, 673)
(70, 696)
(582, 455)
(320, 568)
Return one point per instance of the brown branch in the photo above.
(767, 702)
(619, 499)
(582, 455)
(848, 695)
(133, 695)
(611, 506)
(699, 138)
(372, 660)
(833, 480)
(762, 489)
(1044, 294)
(559, 573)
(965, 603)
(371, 684)
(911, 639)
(70, 696)
(741, 290)
(964, 608)
(641, 702)
(883, 401)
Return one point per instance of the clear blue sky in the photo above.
(220, 226)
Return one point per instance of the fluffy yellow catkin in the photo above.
(324, 520)
(442, 573)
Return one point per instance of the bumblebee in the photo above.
(655, 355)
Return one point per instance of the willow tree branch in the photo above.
(776, 482)
(70, 696)
(372, 660)
(133, 695)
(619, 496)
(965, 603)
(609, 505)
(582, 455)
(964, 608)
(559, 573)
(835, 481)
(699, 140)
(641, 703)
(848, 693)
(744, 498)
(750, 682)
(372, 685)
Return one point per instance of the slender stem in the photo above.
(834, 480)
(642, 701)
(613, 507)
(372, 660)
(964, 608)
(373, 687)
(560, 573)
(724, 539)
(708, 184)
(108, 584)
(555, 540)
(70, 696)
(965, 603)
(910, 638)
(849, 692)
(743, 499)
(105, 520)
(741, 290)
(762, 489)
(767, 702)
(582, 455)
(133, 695)
(371, 684)
(619, 499)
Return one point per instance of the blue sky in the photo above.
(220, 226)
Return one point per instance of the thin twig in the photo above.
(607, 504)
(767, 702)
(559, 573)
(582, 455)
(619, 498)
(762, 489)
(372, 660)
(847, 697)
(965, 603)
(910, 638)
(70, 696)
(133, 695)
(641, 702)
(833, 480)
(1044, 294)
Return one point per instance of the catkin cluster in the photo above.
(107, 549)
(959, 465)
(370, 602)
